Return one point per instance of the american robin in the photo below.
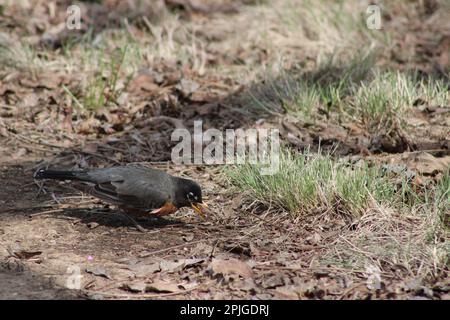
(135, 188)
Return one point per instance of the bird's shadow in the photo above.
(114, 218)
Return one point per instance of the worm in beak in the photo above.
(200, 208)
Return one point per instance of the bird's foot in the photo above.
(135, 224)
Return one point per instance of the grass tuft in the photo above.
(357, 90)
(102, 88)
(308, 181)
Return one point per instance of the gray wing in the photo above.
(132, 186)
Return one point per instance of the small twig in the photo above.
(77, 102)
(128, 27)
(27, 208)
(40, 184)
(214, 248)
(356, 249)
(55, 199)
(45, 212)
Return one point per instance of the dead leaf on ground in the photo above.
(423, 162)
(22, 254)
(163, 287)
(230, 267)
(92, 225)
(145, 270)
(288, 292)
(88, 126)
(273, 282)
(399, 169)
(244, 285)
(188, 237)
(187, 87)
(178, 265)
(170, 266)
(242, 248)
(144, 84)
(98, 271)
(328, 133)
(135, 287)
(31, 100)
(47, 80)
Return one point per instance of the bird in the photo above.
(135, 188)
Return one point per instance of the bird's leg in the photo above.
(125, 212)
(134, 223)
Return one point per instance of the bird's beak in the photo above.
(200, 208)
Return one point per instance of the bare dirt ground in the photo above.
(52, 234)
(181, 256)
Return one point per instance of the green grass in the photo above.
(101, 89)
(390, 94)
(308, 181)
(304, 93)
(398, 222)
(355, 90)
(438, 199)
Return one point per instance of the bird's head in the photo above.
(188, 193)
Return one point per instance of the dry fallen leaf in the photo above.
(244, 285)
(171, 266)
(30, 100)
(98, 271)
(187, 87)
(145, 270)
(286, 293)
(177, 265)
(22, 254)
(135, 287)
(413, 163)
(273, 282)
(188, 237)
(88, 126)
(92, 225)
(427, 164)
(163, 287)
(143, 84)
(230, 267)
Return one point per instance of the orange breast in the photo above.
(168, 208)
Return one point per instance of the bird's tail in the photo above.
(59, 175)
